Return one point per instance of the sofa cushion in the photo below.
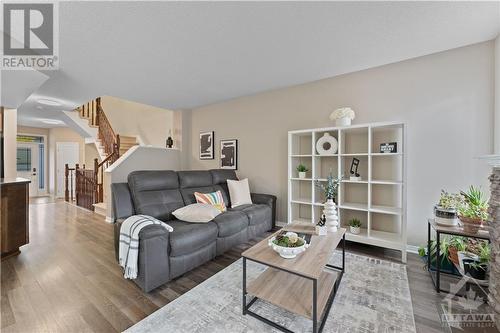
(189, 237)
(256, 214)
(194, 178)
(219, 179)
(230, 223)
(155, 193)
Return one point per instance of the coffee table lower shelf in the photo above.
(304, 296)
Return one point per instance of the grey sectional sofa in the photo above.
(163, 255)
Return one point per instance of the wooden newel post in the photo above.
(66, 189)
(96, 175)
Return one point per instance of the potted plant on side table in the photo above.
(302, 169)
(355, 226)
(456, 244)
(445, 211)
(474, 210)
(476, 266)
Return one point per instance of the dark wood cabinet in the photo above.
(14, 215)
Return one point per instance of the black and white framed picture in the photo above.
(229, 154)
(207, 145)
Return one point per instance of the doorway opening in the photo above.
(32, 162)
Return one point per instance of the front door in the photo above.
(27, 165)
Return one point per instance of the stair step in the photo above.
(100, 208)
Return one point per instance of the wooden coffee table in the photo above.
(305, 285)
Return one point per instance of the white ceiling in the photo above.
(179, 55)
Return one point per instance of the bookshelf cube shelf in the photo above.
(378, 200)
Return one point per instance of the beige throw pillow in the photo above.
(197, 213)
(239, 192)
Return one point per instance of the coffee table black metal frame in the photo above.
(331, 297)
(437, 280)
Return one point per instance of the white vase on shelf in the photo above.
(332, 218)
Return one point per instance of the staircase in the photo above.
(88, 183)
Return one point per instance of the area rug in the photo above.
(374, 296)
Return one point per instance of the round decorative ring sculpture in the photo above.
(327, 145)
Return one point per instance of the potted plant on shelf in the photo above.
(342, 116)
(445, 211)
(473, 212)
(302, 169)
(476, 266)
(330, 209)
(355, 226)
(456, 244)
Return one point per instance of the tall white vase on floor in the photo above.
(332, 218)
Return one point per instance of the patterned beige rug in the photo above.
(374, 296)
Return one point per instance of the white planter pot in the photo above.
(287, 252)
(355, 230)
(302, 175)
(332, 218)
(346, 121)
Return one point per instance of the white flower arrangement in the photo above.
(342, 113)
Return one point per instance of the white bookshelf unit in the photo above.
(378, 200)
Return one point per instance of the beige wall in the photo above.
(10, 142)
(90, 155)
(446, 99)
(61, 134)
(124, 115)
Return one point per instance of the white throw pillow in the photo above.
(198, 213)
(239, 192)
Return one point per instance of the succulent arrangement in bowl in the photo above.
(288, 244)
(446, 209)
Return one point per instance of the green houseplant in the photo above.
(355, 226)
(477, 265)
(446, 210)
(331, 187)
(456, 244)
(302, 169)
(473, 212)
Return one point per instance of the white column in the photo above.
(496, 130)
(10, 142)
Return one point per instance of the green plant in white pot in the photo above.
(330, 210)
(355, 226)
(446, 210)
(302, 170)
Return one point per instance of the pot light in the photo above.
(51, 121)
(49, 102)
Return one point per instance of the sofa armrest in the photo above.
(266, 199)
(121, 200)
(153, 268)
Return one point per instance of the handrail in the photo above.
(89, 183)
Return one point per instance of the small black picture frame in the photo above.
(389, 147)
(207, 145)
(229, 154)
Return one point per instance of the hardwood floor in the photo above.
(67, 279)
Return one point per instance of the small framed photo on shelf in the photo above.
(229, 154)
(389, 147)
(207, 145)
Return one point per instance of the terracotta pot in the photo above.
(470, 225)
(453, 255)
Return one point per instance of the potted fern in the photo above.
(302, 169)
(355, 226)
(474, 211)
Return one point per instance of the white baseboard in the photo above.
(412, 249)
(109, 219)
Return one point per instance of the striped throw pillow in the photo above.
(214, 198)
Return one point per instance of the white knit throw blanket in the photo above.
(129, 242)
